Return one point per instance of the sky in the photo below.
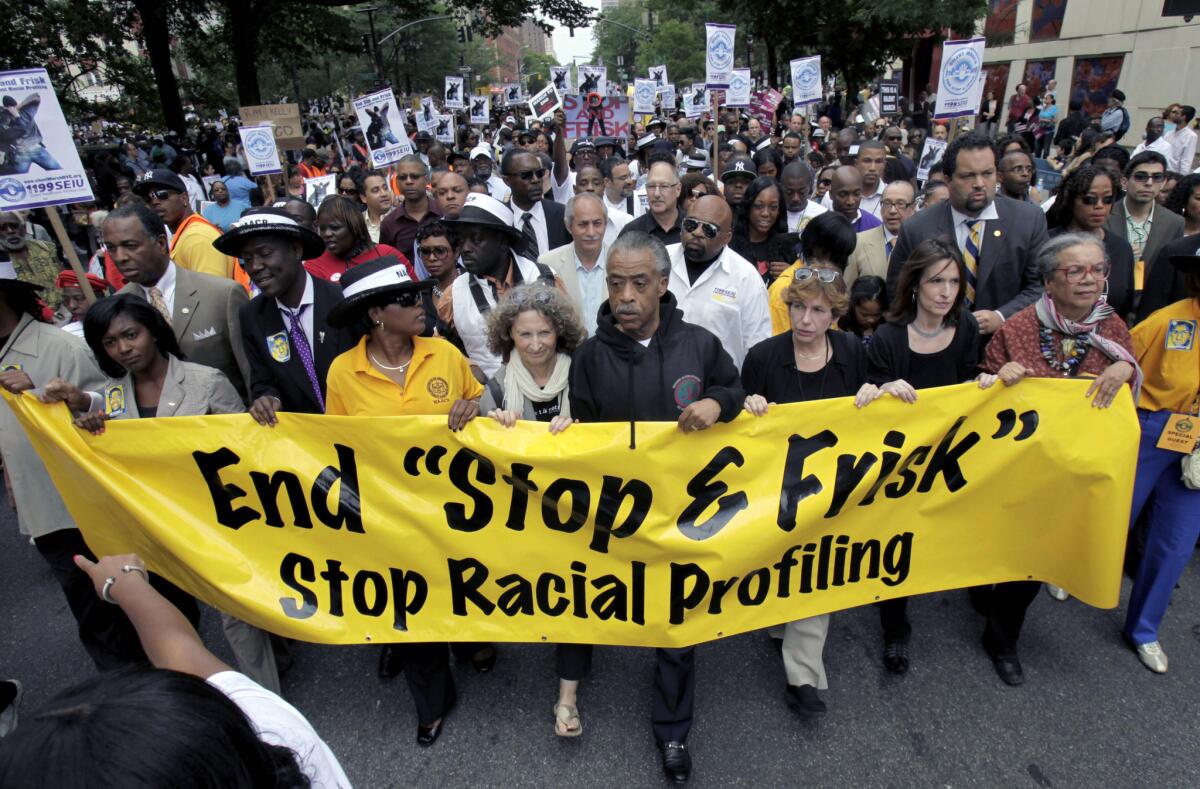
(580, 46)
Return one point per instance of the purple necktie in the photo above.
(300, 343)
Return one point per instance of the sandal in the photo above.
(566, 721)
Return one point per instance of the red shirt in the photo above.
(331, 267)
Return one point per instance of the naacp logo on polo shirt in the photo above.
(277, 346)
(438, 388)
(1181, 335)
(114, 400)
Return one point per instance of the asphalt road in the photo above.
(1088, 714)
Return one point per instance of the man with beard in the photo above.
(192, 236)
(36, 262)
(540, 222)
(619, 185)
(714, 286)
(1016, 174)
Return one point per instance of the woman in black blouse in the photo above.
(760, 229)
(929, 340)
(811, 362)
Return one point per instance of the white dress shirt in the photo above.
(166, 286)
(1183, 149)
(811, 209)
(497, 188)
(617, 220)
(962, 225)
(306, 314)
(538, 218)
(1161, 145)
(593, 288)
(729, 299)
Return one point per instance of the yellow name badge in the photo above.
(1139, 274)
(1181, 433)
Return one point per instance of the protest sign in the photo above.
(454, 97)
(427, 115)
(208, 181)
(960, 80)
(659, 75)
(609, 118)
(931, 154)
(666, 96)
(806, 80)
(560, 78)
(354, 530)
(383, 126)
(593, 79)
(284, 118)
(261, 154)
(718, 54)
(40, 165)
(481, 109)
(696, 100)
(544, 103)
(317, 189)
(512, 95)
(764, 103)
(445, 129)
(738, 94)
(645, 94)
(889, 96)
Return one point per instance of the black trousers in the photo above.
(893, 615)
(104, 630)
(430, 681)
(674, 694)
(1004, 605)
(573, 662)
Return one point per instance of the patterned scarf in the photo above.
(1085, 331)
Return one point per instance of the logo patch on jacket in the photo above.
(724, 295)
(1181, 335)
(277, 346)
(687, 390)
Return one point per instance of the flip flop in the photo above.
(566, 721)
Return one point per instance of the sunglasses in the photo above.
(708, 228)
(826, 275)
(1143, 177)
(407, 299)
(1097, 199)
(160, 194)
(433, 252)
(529, 175)
(347, 191)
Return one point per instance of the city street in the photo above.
(1088, 715)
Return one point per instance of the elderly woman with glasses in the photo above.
(813, 361)
(394, 371)
(1083, 205)
(342, 227)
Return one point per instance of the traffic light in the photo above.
(464, 34)
(366, 44)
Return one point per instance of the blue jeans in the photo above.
(40, 156)
(1172, 530)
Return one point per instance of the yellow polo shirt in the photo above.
(780, 322)
(438, 375)
(1168, 349)
(192, 247)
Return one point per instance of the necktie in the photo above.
(159, 303)
(971, 257)
(300, 343)
(887, 250)
(531, 244)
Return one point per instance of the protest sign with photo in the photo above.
(40, 165)
(718, 54)
(427, 115)
(806, 80)
(544, 102)
(931, 154)
(560, 78)
(764, 103)
(608, 117)
(593, 79)
(317, 189)
(511, 95)
(960, 80)
(445, 129)
(454, 98)
(666, 95)
(659, 75)
(383, 126)
(208, 181)
(261, 154)
(481, 109)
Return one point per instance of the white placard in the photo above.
(718, 54)
(445, 129)
(560, 78)
(667, 94)
(317, 189)
(481, 110)
(960, 81)
(644, 95)
(740, 83)
(543, 104)
(806, 80)
(701, 97)
(261, 154)
(931, 154)
(693, 102)
(427, 116)
(452, 99)
(659, 75)
(383, 127)
(512, 95)
(41, 166)
(593, 79)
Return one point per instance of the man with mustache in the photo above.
(35, 261)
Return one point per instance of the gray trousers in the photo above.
(803, 647)
(253, 652)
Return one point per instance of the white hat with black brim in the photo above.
(485, 211)
(268, 222)
(363, 283)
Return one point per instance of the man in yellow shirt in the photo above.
(192, 235)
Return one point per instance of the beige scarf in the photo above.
(519, 385)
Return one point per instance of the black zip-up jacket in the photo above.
(615, 379)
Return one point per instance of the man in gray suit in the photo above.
(998, 236)
(579, 265)
(1147, 226)
(202, 309)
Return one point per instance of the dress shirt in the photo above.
(166, 286)
(616, 223)
(538, 219)
(962, 225)
(1183, 149)
(306, 314)
(593, 288)
(1161, 145)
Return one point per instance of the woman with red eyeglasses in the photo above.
(1083, 205)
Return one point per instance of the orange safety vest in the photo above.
(310, 171)
(239, 274)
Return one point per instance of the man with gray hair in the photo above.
(579, 265)
(647, 363)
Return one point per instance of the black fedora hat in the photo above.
(486, 211)
(361, 284)
(268, 222)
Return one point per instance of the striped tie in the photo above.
(531, 243)
(971, 258)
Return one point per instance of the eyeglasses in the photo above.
(529, 175)
(1075, 274)
(900, 205)
(1097, 199)
(1143, 176)
(434, 252)
(409, 176)
(892, 138)
(408, 298)
(826, 275)
(691, 225)
(660, 187)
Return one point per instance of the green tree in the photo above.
(537, 70)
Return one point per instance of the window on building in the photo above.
(1046, 23)
(996, 81)
(1037, 74)
(1094, 79)
(1001, 22)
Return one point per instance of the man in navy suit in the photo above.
(999, 237)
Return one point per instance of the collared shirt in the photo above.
(1167, 349)
(795, 219)
(166, 286)
(962, 224)
(864, 220)
(41, 267)
(537, 217)
(729, 299)
(624, 205)
(305, 307)
(1161, 145)
(593, 287)
(437, 376)
(872, 204)
(616, 221)
(398, 229)
(497, 188)
(1183, 149)
(373, 228)
(646, 223)
(1137, 232)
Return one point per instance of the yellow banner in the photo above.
(352, 530)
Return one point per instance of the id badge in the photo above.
(1180, 434)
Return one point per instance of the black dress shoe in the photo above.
(391, 662)
(483, 665)
(1009, 669)
(677, 762)
(427, 735)
(803, 699)
(895, 656)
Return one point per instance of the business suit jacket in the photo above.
(288, 380)
(206, 322)
(1166, 227)
(1164, 283)
(188, 390)
(562, 262)
(869, 258)
(557, 234)
(1008, 278)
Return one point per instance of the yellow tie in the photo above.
(971, 258)
(159, 303)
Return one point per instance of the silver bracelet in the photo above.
(108, 583)
(133, 568)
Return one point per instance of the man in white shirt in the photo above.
(539, 221)
(588, 180)
(1182, 139)
(796, 179)
(482, 163)
(716, 288)
(1154, 139)
(618, 187)
(579, 265)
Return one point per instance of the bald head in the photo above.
(846, 191)
(710, 210)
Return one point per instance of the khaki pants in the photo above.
(803, 647)
(253, 651)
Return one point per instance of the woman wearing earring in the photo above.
(393, 371)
